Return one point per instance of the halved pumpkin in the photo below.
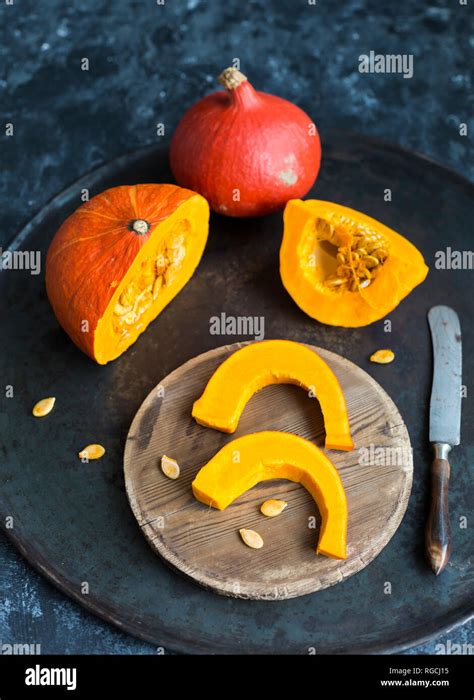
(261, 364)
(248, 460)
(119, 259)
(342, 267)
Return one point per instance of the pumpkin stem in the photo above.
(139, 226)
(231, 78)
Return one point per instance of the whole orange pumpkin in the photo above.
(118, 260)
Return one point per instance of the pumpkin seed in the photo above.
(157, 287)
(120, 310)
(383, 357)
(341, 258)
(126, 298)
(251, 538)
(371, 261)
(178, 254)
(170, 467)
(373, 245)
(130, 318)
(43, 407)
(176, 241)
(92, 452)
(335, 281)
(364, 284)
(273, 507)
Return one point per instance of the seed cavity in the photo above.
(251, 538)
(383, 357)
(360, 254)
(154, 275)
(273, 507)
(92, 452)
(43, 407)
(170, 467)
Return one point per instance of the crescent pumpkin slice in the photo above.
(119, 259)
(344, 268)
(261, 364)
(248, 460)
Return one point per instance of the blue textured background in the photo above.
(147, 63)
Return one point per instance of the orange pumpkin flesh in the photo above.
(257, 365)
(316, 235)
(278, 455)
(118, 260)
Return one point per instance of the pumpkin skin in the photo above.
(242, 141)
(276, 455)
(113, 248)
(305, 263)
(261, 364)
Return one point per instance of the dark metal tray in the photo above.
(73, 522)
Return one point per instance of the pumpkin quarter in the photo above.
(118, 260)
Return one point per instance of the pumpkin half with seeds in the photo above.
(344, 268)
(118, 260)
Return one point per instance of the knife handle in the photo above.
(438, 528)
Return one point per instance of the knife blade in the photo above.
(445, 427)
(445, 404)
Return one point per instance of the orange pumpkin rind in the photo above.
(119, 259)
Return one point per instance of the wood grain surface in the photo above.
(205, 543)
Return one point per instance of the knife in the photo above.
(445, 427)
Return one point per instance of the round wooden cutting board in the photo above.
(205, 544)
